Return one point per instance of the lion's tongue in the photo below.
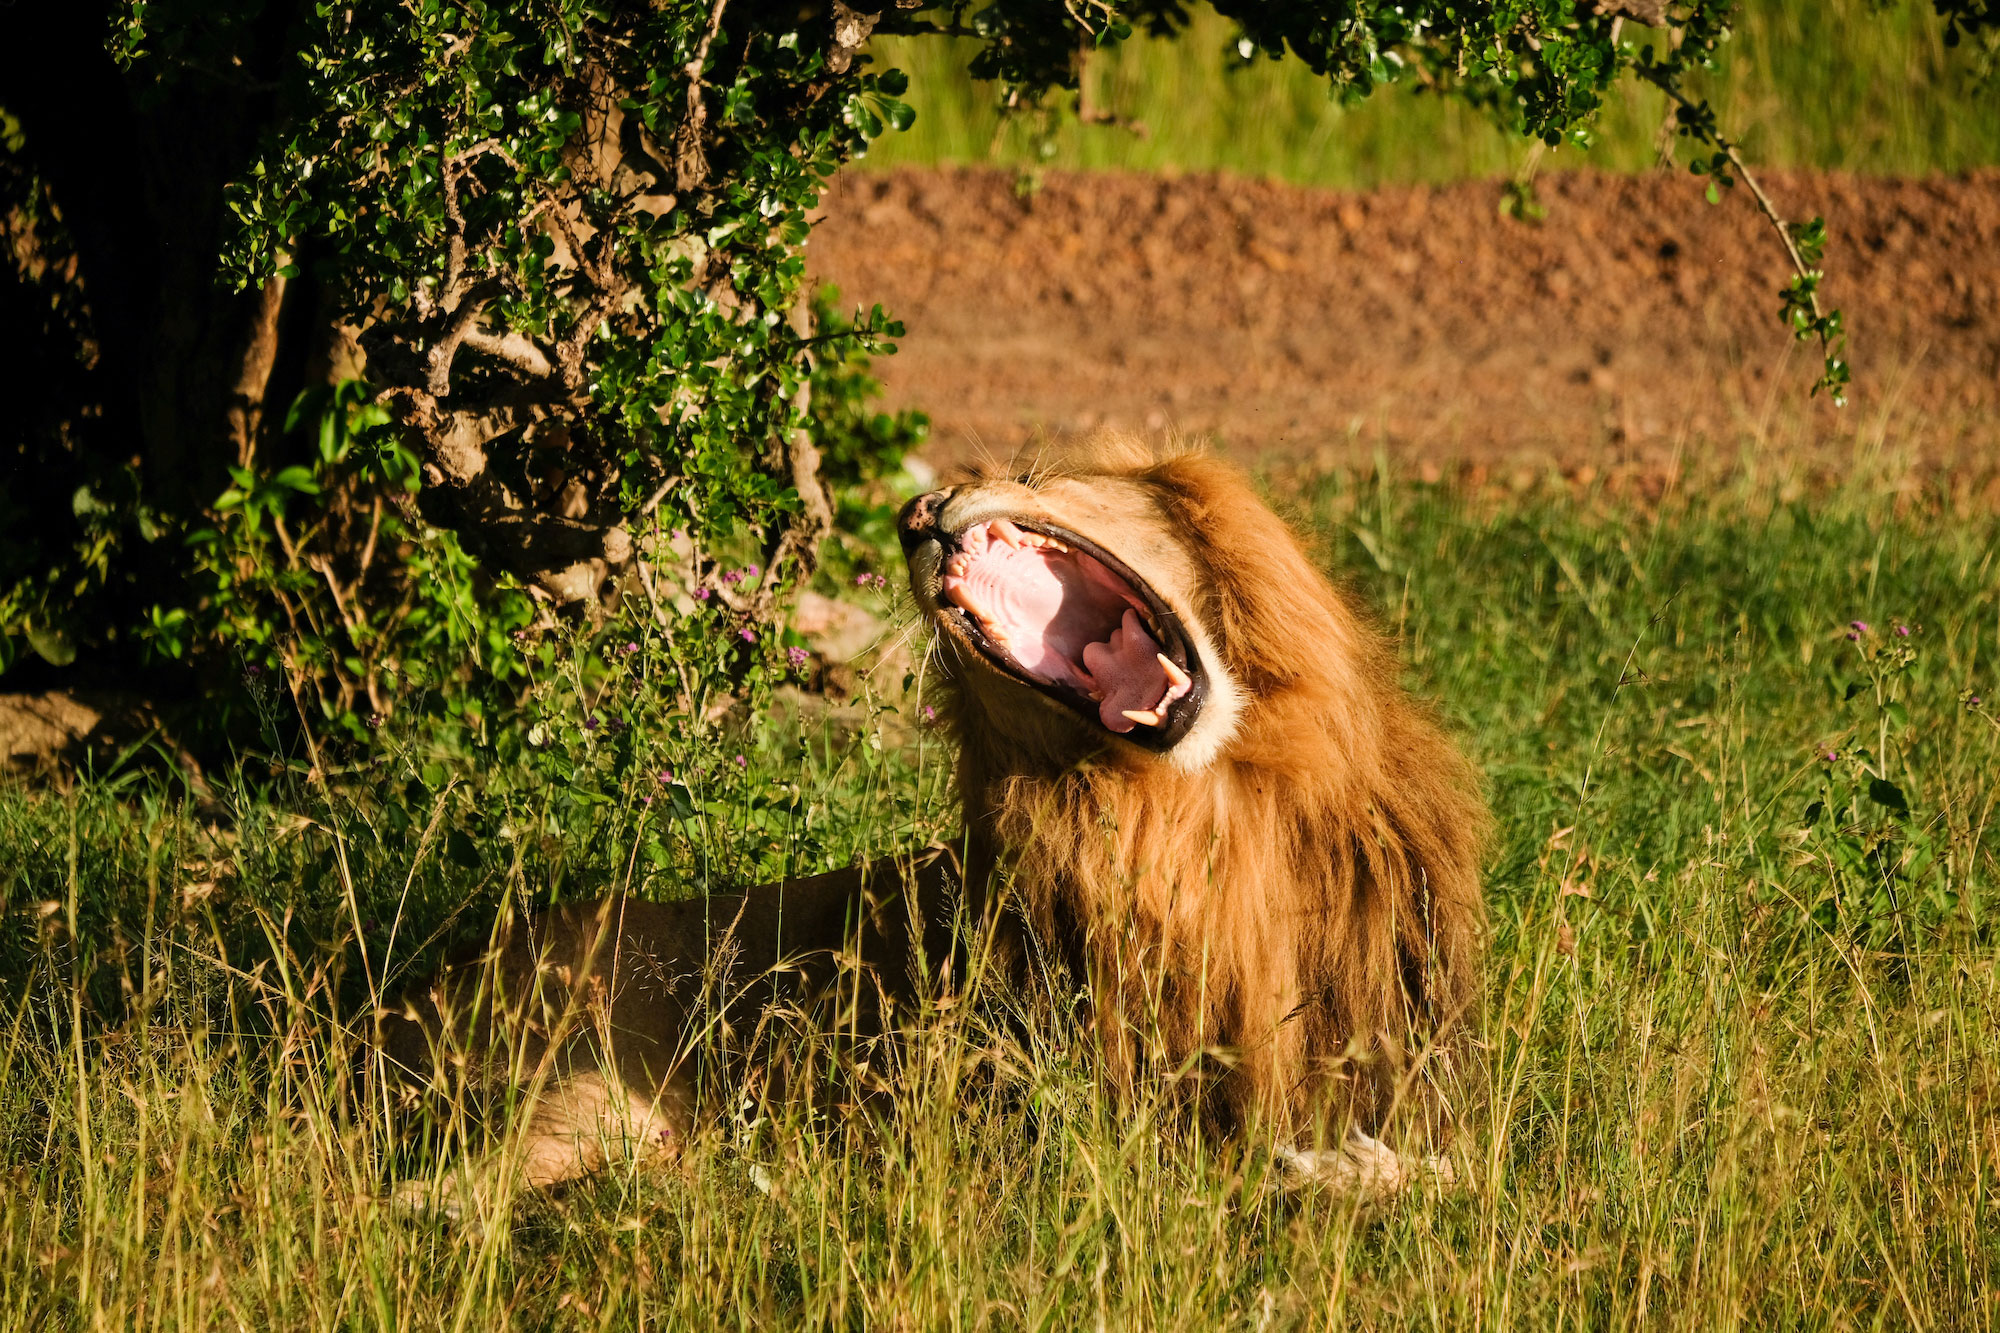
(1127, 669)
(1063, 616)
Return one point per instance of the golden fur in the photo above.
(1305, 895)
(1280, 911)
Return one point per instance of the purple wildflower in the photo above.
(750, 571)
(862, 580)
(747, 634)
(645, 800)
(1902, 631)
(631, 648)
(732, 576)
(1858, 626)
(1828, 755)
(664, 776)
(590, 723)
(798, 657)
(742, 762)
(930, 714)
(701, 594)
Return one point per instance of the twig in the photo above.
(1764, 205)
(659, 494)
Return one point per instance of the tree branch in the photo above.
(470, 307)
(690, 158)
(516, 350)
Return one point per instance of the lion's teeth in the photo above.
(1175, 676)
(956, 564)
(1145, 717)
(965, 597)
(1005, 530)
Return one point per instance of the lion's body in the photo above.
(618, 1016)
(1308, 899)
(1277, 903)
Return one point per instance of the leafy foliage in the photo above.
(563, 368)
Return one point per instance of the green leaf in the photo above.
(52, 645)
(460, 847)
(1889, 796)
(297, 478)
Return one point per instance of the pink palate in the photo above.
(1062, 615)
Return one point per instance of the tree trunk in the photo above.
(137, 165)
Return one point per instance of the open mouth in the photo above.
(1066, 617)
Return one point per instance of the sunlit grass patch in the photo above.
(1738, 1066)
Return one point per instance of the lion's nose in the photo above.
(919, 520)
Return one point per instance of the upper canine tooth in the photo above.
(1005, 530)
(1175, 676)
(1143, 716)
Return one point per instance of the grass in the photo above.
(1739, 1049)
(1850, 84)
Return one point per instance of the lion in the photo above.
(1191, 782)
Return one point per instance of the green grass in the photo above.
(1740, 1065)
(1848, 84)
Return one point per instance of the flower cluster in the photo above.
(870, 581)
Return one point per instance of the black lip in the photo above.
(1172, 635)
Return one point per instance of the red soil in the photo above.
(1635, 322)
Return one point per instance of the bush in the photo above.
(423, 329)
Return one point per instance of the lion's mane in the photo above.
(1296, 924)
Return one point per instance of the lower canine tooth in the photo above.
(1143, 716)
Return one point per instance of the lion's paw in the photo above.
(1362, 1167)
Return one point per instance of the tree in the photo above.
(364, 337)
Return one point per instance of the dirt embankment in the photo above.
(1634, 321)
